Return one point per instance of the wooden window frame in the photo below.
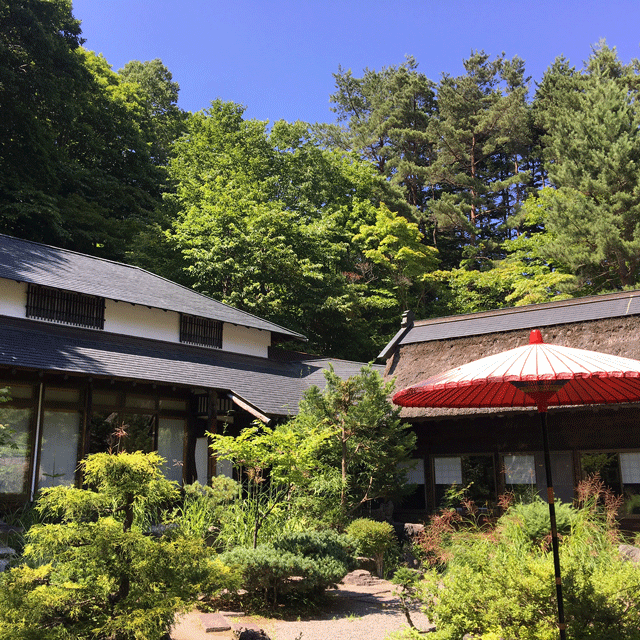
(201, 332)
(65, 307)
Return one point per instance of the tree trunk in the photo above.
(343, 491)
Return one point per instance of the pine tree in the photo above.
(480, 135)
(593, 157)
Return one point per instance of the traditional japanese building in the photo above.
(491, 451)
(97, 355)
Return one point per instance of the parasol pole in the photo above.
(562, 627)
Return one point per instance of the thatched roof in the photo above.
(411, 363)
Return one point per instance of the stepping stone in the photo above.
(233, 614)
(213, 622)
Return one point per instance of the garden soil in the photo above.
(360, 608)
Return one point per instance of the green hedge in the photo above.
(298, 564)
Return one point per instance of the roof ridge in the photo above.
(155, 275)
(78, 253)
(634, 293)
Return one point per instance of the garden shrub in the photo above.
(319, 544)
(92, 571)
(373, 539)
(298, 564)
(203, 507)
(500, 584)
(532, 520)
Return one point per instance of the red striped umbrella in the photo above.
(535, 375)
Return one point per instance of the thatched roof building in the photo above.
(608, 323)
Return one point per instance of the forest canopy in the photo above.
(443, 196)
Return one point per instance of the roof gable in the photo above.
(27, 261)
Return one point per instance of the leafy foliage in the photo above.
(373, 539)
(92, 570)
(203, 507)
(252, 205)
(443, 198)
(499, 582)
(341, 451)
(277, 467)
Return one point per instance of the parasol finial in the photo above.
(535, 337)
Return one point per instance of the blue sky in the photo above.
(277, 57)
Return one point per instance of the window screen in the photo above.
(203, 332)
(67, 307)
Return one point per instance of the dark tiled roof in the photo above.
(528, 317)
(275, 387)
(26, 261)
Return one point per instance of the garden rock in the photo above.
(244, 633)
(214, 622)
(411, 529)
(6, 553)
(629, 552)
(366, 564)
(360, 578)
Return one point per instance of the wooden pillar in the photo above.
(189, 472)
(212, 427)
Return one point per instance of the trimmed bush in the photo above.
(373, 539)
(91, 571)
(298, 564)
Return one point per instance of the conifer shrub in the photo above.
(530, 520)
(297, 565)
(92, 569)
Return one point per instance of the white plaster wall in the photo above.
(140, 321)
(13, 298)
(251, 342)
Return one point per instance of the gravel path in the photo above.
(361, 608)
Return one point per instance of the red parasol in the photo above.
(535, 375)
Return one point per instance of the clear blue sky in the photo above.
(277, 56)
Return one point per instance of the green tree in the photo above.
(592, 155)
(394, 246)
(75, 165)
(524, 275)
(388, 112)
(160, 93)
(369, 442)
(265, 222)
(276, 466)
(344, 449)
(479, 135)
(92, 571)
(40, 74)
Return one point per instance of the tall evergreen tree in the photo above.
(479, 135)
(387, 113)
(593, 161)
